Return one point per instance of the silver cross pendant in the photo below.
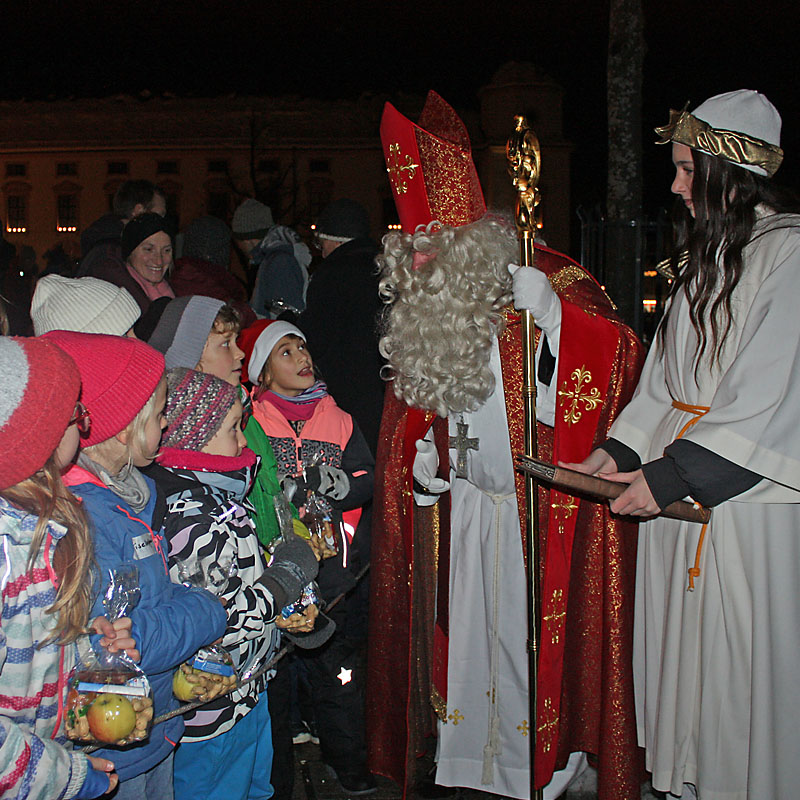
(461, 442)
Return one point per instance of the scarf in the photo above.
(129, 484)
(152, 290)
(299, 407)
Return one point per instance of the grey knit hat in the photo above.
(183, 329)
(251, 220)
(85, 305)
(208, 239)
(342, 220)
(197, 404)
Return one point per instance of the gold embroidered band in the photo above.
(738, 148)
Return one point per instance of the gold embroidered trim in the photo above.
(566, 277)
(439, 705)
(546, 731)
(739, 148)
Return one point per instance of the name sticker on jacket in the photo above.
(143, 546)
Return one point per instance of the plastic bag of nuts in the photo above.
(206, 676)
(109, 698)
(108, 707)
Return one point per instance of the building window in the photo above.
(67, 221)
(218, 165)
(167, 167)
(66, 168)
(319, 165)
(16, 170)
(17, 213)
(218, 203)
(269, 165)
(320, 192)
(117, 167)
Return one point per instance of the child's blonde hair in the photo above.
(227, 319)
(45, 496)
(137, 438)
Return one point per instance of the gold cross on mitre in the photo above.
(578, 393)
(395, 167)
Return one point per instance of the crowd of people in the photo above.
(227, 454)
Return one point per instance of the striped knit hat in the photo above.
(82, 304)
(118, 375)
(197, 404)
(39, 386)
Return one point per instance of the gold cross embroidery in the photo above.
(455, 717)
(556, 616)
(565, 507)
(546, 731)
(523, 729)
(590, 399)
(395, 167)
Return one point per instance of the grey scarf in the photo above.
(129, 484)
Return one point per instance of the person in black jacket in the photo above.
(341, 316)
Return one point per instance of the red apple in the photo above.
(111, 717)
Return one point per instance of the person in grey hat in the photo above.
(714, 418)
(276, 256)
(340, 320)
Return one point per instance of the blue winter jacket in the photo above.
(170, 622)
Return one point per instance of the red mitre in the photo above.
(430, 166)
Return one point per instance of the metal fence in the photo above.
(651, 242)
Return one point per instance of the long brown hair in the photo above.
(724, 197)
(45, 496)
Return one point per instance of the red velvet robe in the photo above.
(587, 564)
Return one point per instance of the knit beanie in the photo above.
(141, 228)
(251, 220)
(208, 239)
(39, 386)
(342, 220)
(197, 404)
(266, 340)
(89, 305)
(118, 375)
(184, 326)
(245, 342)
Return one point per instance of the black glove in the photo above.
(293, 566)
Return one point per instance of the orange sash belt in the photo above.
(698, 412)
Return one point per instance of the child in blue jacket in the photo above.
(125, 391)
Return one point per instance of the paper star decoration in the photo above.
(345, 675)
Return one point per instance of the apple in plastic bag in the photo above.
(111, 717)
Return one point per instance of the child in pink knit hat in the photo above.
(47, 575)
(124, 390)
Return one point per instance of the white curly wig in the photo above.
(438, 330)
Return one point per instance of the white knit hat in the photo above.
(269, 337)
(85, 305)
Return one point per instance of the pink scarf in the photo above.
(152, 290)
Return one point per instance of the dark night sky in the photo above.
(340, 49)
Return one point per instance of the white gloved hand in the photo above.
(533, 292)
(426, 462)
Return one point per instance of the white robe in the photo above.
(488, 613)
(716, 669)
